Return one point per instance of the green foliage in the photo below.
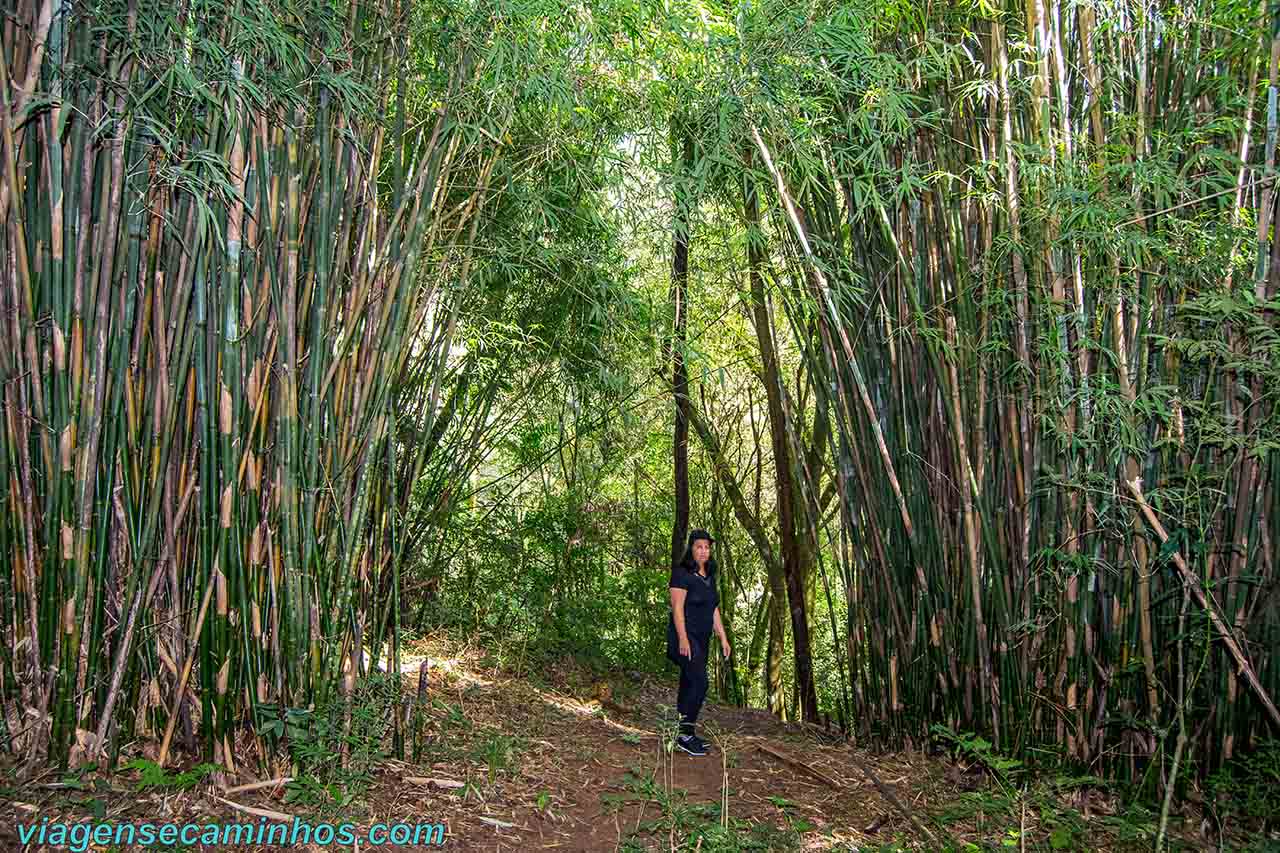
(155, 776)
(979, 749)
(999, 815)
(1137, 825)
(336, 747)
(74, 777)
(1248, 788)
(700, 824)
(499, 752)
(218, 168)
(275, 723)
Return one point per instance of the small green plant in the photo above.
(1136, 825)
(977, 748)
(74, 779)
(1063, 837)
(311, 791)
(335, 746)
(455, 717)
(94, 806)
(700, 824)
(155, 776)
(971, 804)
(276, 723)
(1248, 788)
(498, 753)
(794, 822)
(471, 791)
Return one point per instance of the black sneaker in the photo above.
(691, 745)
(702, 744)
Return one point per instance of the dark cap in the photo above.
(695, 535)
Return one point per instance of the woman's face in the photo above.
(701, 551)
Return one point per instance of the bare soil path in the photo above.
(593, 775)
(560, 760)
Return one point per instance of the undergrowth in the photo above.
(335, 747)
(1016, 805)
(699, 825)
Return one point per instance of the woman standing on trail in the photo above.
(695, 613)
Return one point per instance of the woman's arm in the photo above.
(678, 596)
(719, 629)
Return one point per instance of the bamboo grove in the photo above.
(1039, 294)
(235, 235)
(1007, 276)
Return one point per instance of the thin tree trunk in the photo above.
(760, 538)
(680, 376)
(791, 547)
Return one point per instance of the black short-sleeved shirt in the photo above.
(700, 602)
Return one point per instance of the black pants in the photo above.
(693, 680)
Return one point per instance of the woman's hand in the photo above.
(720, 632)
(685, 651)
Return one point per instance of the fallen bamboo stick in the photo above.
(256, 812)
(255, 786)
(884, 790)
(800, 765)
(1193, 583)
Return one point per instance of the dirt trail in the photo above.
(554, 760)
(590, 776)
(544, 761)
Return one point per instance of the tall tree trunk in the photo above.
(751, 523)
(682, 142)
(792, 550)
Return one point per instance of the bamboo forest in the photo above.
(377, 375)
